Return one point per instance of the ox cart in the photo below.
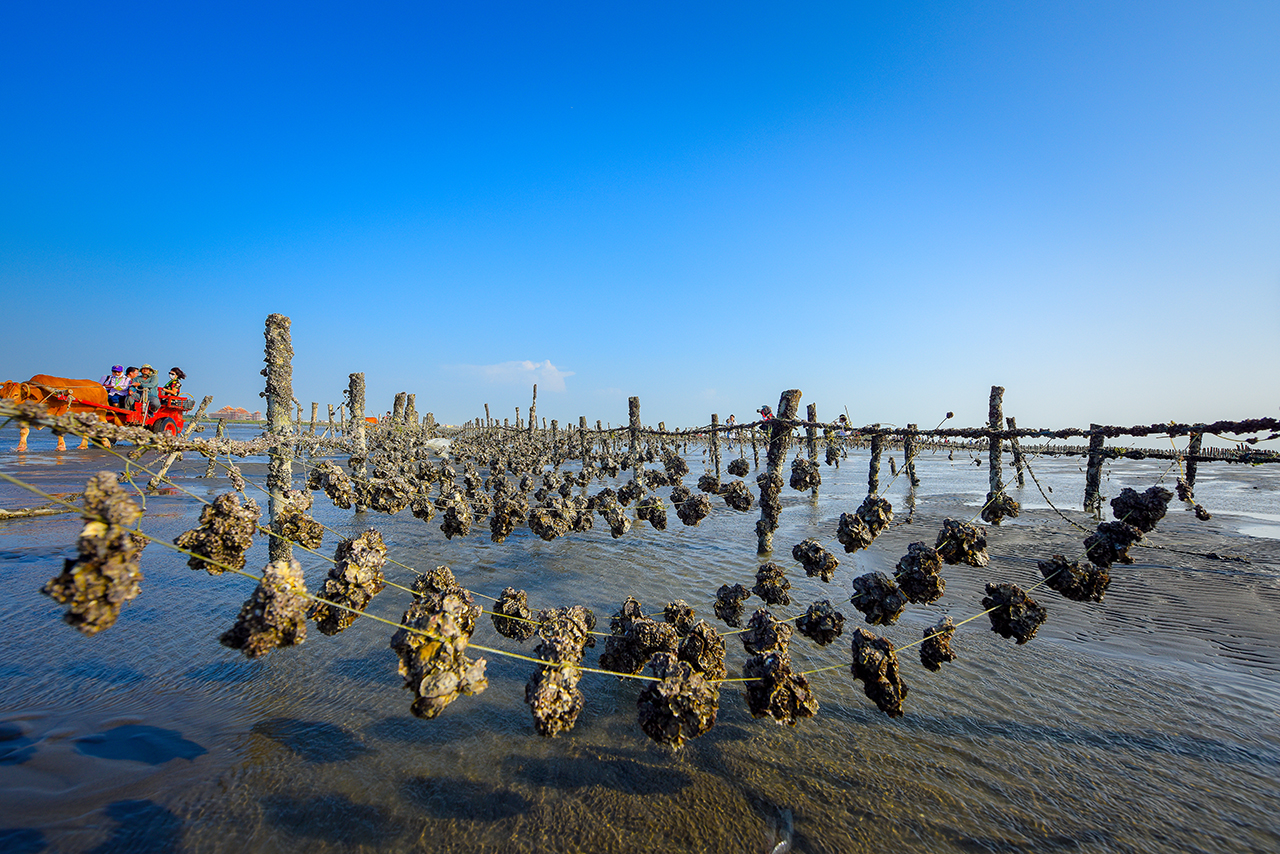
(167, 419)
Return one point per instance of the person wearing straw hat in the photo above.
(144, 387)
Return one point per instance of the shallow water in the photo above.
(1146, 723)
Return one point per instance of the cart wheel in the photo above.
(165, 425)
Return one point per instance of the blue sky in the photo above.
(889, 206)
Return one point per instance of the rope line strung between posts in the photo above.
(309, 595)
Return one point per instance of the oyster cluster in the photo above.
(434, 585)
(804, 474)
(822, 623)
(817, 561)
(738, 467)
(653, 511)
(1080, 585)
(878, 598)
(1014, 614)
(772, 584)
(999, 506)
(692, 509)
(764, 633)
(457, 514)
(776, 690)
(334, 481)
(105, 574)
(736, 495)
(729, 606)
(936, 647)
(858, 530)
(683, 705)
(1142, 511)
(295, 525)
(432, 651)
(1110, 543)
(356, 577)
(225, 534)
(875, 664)
(918, 574)
(960, 542)
(512, 617)
(275, 615)
(552, 692)
(606, 504)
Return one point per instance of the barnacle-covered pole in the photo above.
(329, 431)
(279, 395)
(582, 434)
(1193, 448)
(811, 439)
(213, 462)
(995, 419)
(359, 444)
(411, 409)
(533, 411)
(488, 422)
(715, 443)
(397, 409)
(779, 441)
(873, 470)
(1093, 472)
(315, 413)
(1018, 464)
(633, 415)
(909, 451)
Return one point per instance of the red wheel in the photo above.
(165, 425)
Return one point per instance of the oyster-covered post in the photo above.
(995, 418)
(1193, 449)
(1018, 464)
(873, 469)
(533, 411)
(315, 413)
(715, 443)
(633, 415)
(220, 434)
(329, 431)
(1093, 473)
(779, 441)
(397, 409)
(279, 395)
(811, 440)
(411, 409)
(169, 460)
(359, 444)
(582, 434)
(909, 451)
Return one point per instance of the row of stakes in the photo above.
(684, 656)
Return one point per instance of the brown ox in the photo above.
(51, 391)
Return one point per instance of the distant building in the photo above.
(235, 413)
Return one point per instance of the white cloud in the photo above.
(525, 373)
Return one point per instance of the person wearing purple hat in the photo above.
(117, 385)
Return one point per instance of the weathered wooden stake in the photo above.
(811, 434)
(397, 408)
(315, 412)
(873, 470)
(715, 443)
(779, 442)
(279, 395)
(1093, 472)
(995, 419)
(359, 443)
(909, 452)
(533, 411)
(213, 462)
(1018, 463)
(1193, 447)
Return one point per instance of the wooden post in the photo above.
(873, 470)
(397, 409)
(1017, 451)
(1193, 448)
(779, 441)
(359, 443)
(315, 412)
(213, 462)
(279, 395)
(1093, 473)
(411, 409)
(995, 419)
(582, 434)
(487, 421)
(811, 434)
(330, 431)
(342, 418)
(715, 443)
(909, 451)
(518, 421)
(533, 411)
